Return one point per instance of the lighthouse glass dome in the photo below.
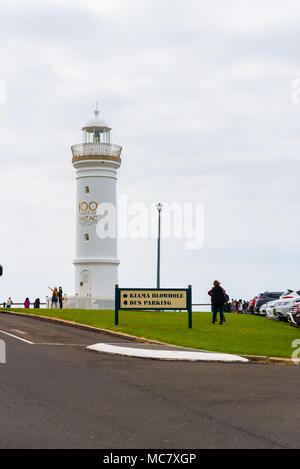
(96, 135)
(96, 130)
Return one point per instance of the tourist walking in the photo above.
(27, 303)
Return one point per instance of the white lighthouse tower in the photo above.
(96, 162)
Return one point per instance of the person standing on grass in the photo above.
(60, 297)
(218, 299)
(54, 298)
(27, 303)
(9, 302)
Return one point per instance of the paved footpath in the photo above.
(57, 394)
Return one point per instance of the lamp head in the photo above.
(159, 207)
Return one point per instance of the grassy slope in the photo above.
(241, 334)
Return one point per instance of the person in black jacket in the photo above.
(218, 299)
(60, 297)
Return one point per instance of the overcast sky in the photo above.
(198, 93)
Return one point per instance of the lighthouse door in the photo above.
(85, 283)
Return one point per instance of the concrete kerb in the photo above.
(65, 322)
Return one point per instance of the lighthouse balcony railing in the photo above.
(96, 148)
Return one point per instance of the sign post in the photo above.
(189, 305)
(117, 304)
(158, 299)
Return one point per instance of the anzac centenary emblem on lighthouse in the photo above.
(88, 213)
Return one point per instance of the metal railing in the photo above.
(45, 304)
(19, 304)
(98, 149)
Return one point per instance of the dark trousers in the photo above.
(60, 304)
(218, 309)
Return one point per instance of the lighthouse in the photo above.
(96, 161)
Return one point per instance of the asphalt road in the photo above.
(56, 394)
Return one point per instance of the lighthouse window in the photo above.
(96, 136)
(87, 189)
(86, 237)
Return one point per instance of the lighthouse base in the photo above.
(96, 278)
(81, 302)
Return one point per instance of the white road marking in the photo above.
(167, 354)
(18, 331)
(54, 343)
(16, 337)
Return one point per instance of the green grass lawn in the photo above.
(240, 334)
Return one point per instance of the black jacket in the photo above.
(218, 296)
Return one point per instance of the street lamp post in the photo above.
(159, 209)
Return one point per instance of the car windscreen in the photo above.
(287, 292)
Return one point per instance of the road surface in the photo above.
(56, 394)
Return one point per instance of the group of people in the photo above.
(238, 306)
(57, 297)
(27, 303)
(36, 304)
(220, 303)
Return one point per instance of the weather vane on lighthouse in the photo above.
(96, 162)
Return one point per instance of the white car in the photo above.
(270, 304)
(281, 307)
(267, 309)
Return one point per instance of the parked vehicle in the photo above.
(281, 307)
(291, 294)
(265, 297)
(294, 315)
(267, 308)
